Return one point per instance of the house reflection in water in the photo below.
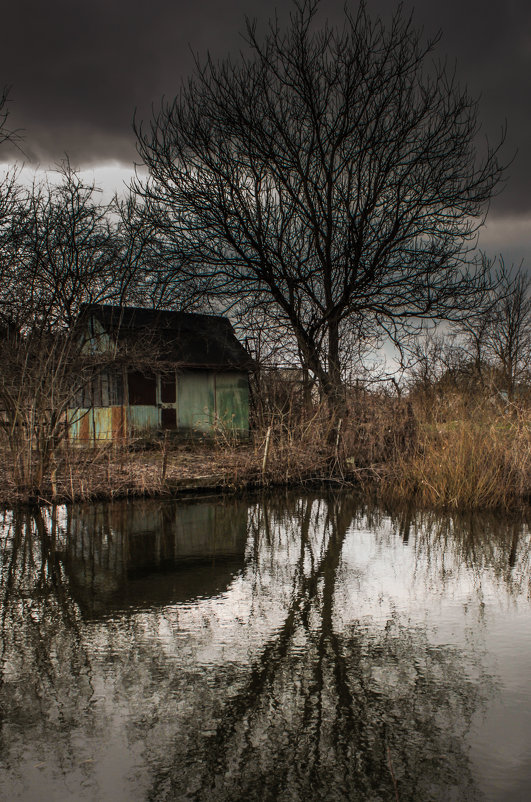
(123, 556)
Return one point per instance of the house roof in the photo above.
(184, 338)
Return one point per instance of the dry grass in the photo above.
(301, 448)
(478, 459)
(468, 455)
(109, 473)
(168, 469)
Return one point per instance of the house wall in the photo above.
(189, 401)
(196, 401)
(232, 400)
(98, 424)
(206, 400)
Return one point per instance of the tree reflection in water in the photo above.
(284, 679)
(45, 678)
(327, 712)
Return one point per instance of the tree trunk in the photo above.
(334, 387)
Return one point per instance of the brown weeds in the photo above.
(479, 459)
(465, 456)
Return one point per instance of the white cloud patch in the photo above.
(509, 237)
(111, 177)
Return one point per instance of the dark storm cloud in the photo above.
(490, 43)
(78, 70)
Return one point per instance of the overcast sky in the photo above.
(78, 71)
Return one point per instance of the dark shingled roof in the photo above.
(190, 340)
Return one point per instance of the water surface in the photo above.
(287, 648)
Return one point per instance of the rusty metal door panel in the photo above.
(119, 427)
(196, 401)
(79, 425)
(99, 424)
(100, 420)
(143, 417)
(232, 401)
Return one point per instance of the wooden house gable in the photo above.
(196, 381)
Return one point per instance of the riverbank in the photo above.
(107, 473)
(458, 456)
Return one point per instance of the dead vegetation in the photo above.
(289, 445)
(457, 452)
(473, 456)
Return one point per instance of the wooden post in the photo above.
(266, 450)
(53, 477)
(338, 435)
(164, 457)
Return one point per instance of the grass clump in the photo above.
(479, 458)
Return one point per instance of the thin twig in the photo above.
(392, 773)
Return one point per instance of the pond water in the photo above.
(282, 648)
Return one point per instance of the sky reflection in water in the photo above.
(282, 648)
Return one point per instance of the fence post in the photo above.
(338, 434)
(266, 451)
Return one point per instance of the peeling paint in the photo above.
(203, 400)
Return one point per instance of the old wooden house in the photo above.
(160, 370)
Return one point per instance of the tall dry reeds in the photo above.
(297, 445)
(477, 457)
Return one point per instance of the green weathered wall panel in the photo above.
(232, 401)
(195, 401)
(142, 418)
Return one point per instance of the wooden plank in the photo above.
(196, 401)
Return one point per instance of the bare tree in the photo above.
(329, 175)
(152, 274)
(63, 252)
(510, 339)
(497, 339)
(60, 251)
(6, 134)
(9, 190)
